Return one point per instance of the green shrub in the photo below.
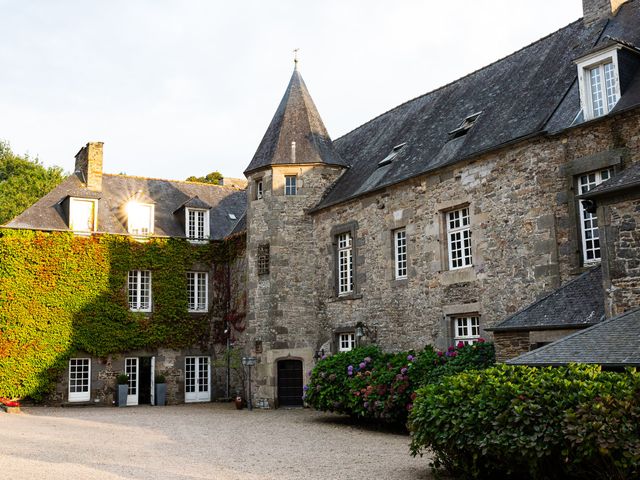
(122, 379)
(368, 384)
(523, 422)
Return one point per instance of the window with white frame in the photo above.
(599, 83)
(259, 189)
(588, 221)
(466, 329)
(140, 218)
(198, 291)
(346, 341)
(290, 185)
(459, 238)
(83, 214)
(139, 289)
(197, 224)
(79, 379)
(400, 253)
(345, 264)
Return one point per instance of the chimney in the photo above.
(89, 165)
(596, 10)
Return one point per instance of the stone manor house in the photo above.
(504, 205)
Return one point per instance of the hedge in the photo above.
(61, 294)
(369, 384)
(524, 422)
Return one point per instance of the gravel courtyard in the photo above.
(207, 441)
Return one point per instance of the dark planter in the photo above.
(161, 394)
(123, 390)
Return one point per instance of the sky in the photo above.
(181, 88)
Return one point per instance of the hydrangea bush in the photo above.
(368, 384)
(522, 422)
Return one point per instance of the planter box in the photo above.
(123, 391)
(161, 394)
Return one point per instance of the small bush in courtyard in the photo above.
(524, 422)
(369, 384)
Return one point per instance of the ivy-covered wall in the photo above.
(61, 294)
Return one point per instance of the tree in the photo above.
(23, 181)
(214, 178)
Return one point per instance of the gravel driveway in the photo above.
(207, 441)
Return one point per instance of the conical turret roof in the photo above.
(296, 120)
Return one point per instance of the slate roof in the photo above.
(627, 178)
(576, 304)
(296, 120)
(168, 196)
(532, 91)
(613, 343)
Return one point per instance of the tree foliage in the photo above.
(214, 178)
(23, 181)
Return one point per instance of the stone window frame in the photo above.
(572, 170)
(263, 259)
(453, 311)
(336, 231)
(398, 268)
(290, 189)
(443, 213)
(258, 188)
(586, 249)
(83, 396)
(197, 281)
(137, 289)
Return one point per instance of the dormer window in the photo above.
(140, 218)
(197, 224)
(83, 216)
(464, 126)
(599, 82)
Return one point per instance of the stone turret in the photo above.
(291, 170)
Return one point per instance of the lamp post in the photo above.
(249, 362)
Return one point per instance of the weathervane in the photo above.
(295, 56)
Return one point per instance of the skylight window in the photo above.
(232, 216)
(394, 153)
(464, 126)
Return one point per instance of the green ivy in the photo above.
(61, 294)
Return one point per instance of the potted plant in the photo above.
(123, 389)
(161, 390)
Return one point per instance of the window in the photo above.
(345, 264)
(259, 189)
(599, 84)
(290, 185)
(79, 379)
(139, 287)
(400, 253)
(466, 330)
(82, 215)
(198, 291)
(263, 259)
(589, 221)
(139, 218)
(459, 238)
(197, 223)
(346, 341)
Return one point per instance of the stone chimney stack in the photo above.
(595, 10)
(89, 165)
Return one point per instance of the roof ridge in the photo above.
(442, 87)
(230, 187)
(542, 299)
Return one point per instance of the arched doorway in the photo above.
(290, 383)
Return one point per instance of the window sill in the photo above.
(352, 296)
(197, 311)
(198, 241)
(459, 275)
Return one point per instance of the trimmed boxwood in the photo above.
(524, 422)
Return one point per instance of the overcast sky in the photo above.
(179, 88)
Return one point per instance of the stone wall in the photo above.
(525, 237)
(622, 230)
(511, 344)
